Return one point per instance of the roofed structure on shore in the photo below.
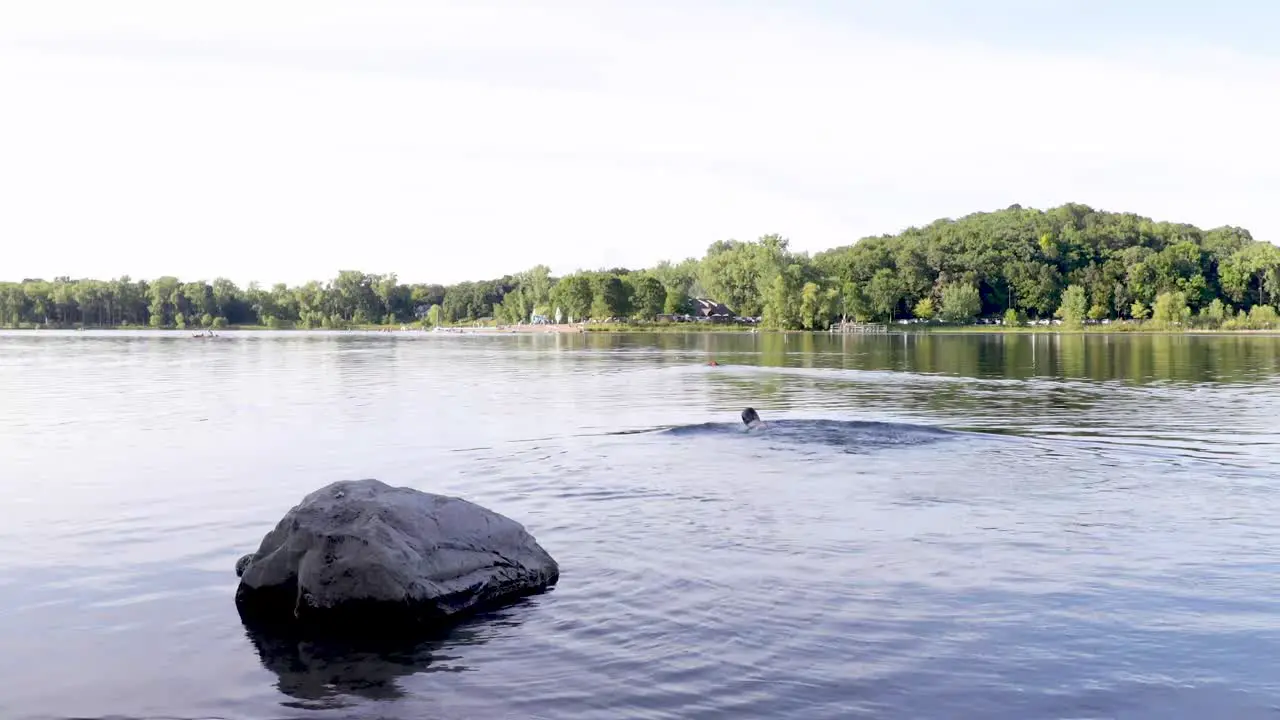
(708, 308)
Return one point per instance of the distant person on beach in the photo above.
(751, 419)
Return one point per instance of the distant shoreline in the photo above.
(674, 328)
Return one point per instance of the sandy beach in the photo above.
(549, 328)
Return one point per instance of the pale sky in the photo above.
(444, 140)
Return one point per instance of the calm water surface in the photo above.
(941, 527)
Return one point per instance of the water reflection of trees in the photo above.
(967, 377)
(1126, 359)
(1129, 358)
(1106, 363)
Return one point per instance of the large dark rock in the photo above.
(362, 555)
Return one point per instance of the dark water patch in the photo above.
(850, 436)
(330, 673)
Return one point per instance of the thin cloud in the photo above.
(447, 141)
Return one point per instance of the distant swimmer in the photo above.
(751, 419)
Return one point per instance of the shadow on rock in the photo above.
(363, 583)
(328, 671)
(362, 558)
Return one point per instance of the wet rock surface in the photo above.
(362, 555)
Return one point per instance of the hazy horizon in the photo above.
(448, 141)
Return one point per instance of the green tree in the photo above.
(1214, 314)
(574, 295)
(1251, 275)
(813, 307)
(164, 301)
(1170, 309)
(960, 303)
(536, 284)
(782, 302)
(854, 303)
(676, 303)
(1263, 317)
(680, 282)
(1019, 259)
(1073, 307)
(610, 297)
(648, 297)
(516, 307)
(885, 292)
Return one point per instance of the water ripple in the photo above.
(997, 527)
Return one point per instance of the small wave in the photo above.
(848, 435)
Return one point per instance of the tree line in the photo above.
(1071, 263)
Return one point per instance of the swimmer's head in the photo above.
(750, 416)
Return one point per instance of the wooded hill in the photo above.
(1070, 261)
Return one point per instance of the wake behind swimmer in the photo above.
(846, 436)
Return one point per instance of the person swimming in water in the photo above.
(751, 419)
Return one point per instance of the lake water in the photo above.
(975, 526)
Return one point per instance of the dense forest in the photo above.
(1069, 263)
